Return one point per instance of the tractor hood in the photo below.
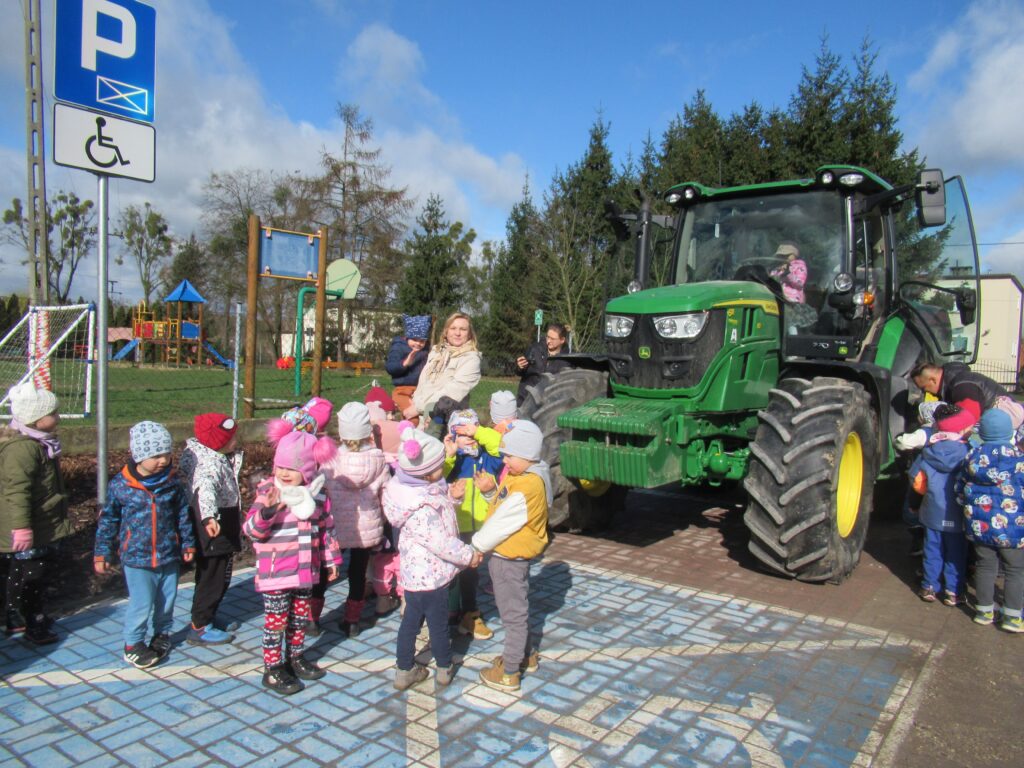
(695, 297)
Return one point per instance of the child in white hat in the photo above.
(355, 479)
(516, 531)
(33, 507)
(416, 500)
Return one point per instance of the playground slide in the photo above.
(229, 364)
(127, 350)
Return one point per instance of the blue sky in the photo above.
(470, 98)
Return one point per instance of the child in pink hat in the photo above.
(292, 531)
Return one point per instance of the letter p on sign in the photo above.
(92, 43)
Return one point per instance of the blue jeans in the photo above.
(945, 560)
(433, 606)
(151, 591)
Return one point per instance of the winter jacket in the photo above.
(429, 548)
(456, 381)
(992, 492)
(151, 524)
(401, 374)
(973, 391)
(32, 492)
(517, 519)
(355, 480)
(538, 362)
(933, 475)
(289, 551)
(472, 510)
(210, 479)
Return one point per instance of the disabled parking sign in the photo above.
(105, 56)
(103, 144)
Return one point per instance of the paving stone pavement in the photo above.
(633, 672)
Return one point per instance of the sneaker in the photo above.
(280, 680)
(927, 594)
(305, 669)
(494, 677)
(984, 617)
(208, 635)
(473, 624)
(140, 655)
(227, 626)
(386, 604)
(445, 675)
(160, 645)
(951, 599)
(1013, 624)
(407, 678)
(529, 664)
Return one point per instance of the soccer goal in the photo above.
(54, 348)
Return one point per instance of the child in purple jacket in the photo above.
(292, 531)
(431, 552)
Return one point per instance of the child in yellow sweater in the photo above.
(516, 531)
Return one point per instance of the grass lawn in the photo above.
(178, 394)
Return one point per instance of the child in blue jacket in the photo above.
(147, 519)
(991, 489)
(933, 477)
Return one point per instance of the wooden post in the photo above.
(178, 353)
(250, 317)
(321, 314)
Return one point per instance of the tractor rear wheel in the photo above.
(578, 504)
(813, 466)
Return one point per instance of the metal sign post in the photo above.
(103, 232)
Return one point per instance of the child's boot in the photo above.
(280, 680)
(473, 624)
(1013, 624)
(349, 624)
(445, 675)
(496, 677)
(407, 678)
(316, 608)
(386, 604)
(305, 669)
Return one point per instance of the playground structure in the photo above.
(177, 336)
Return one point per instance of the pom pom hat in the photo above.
(214, 430)
(953, 418)
(419, 454)
(354, 422)
(380, 396)
(29, 405)
(148, 439)
(303, 453)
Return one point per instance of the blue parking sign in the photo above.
(106, 56)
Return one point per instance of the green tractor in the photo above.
(716, 371)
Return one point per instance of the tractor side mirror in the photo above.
(613, 215)
(967, 305)
(931, 198)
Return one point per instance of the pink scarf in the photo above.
(49, 440)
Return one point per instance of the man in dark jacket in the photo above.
(957, 384)
(539, 359)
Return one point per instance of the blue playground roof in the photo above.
(186, 292)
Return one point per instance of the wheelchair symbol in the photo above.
(104, 142)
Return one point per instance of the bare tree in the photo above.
(147, 242)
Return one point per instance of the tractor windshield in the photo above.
(794, 238)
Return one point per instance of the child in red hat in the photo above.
(210, 466)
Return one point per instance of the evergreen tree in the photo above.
(691, 149)
(437, 258)
(188, 264)
(817, 135)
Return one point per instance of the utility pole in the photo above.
(35, 156)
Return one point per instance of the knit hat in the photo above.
(463, 417)
(416, 326)
(995, 426)
(214, 430)
(380, 395)
(503, 406)
(926, 411)
(303, 452)
(354, 422)
(419, 454)
(953, 418)
(148, 439)
(29, 405)
(523, 440)
(320, 409)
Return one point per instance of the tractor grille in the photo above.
(672, 364)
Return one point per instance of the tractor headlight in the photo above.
(680, 326)
(617, 326)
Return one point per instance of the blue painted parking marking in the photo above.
(633, 672)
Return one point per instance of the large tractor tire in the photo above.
(578, 505)
(812, 471)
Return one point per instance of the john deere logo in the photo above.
(644, 352)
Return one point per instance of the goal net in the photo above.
(54, 348)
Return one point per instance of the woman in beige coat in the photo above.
(452, 369)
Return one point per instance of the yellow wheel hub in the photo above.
(850, 484)
(595, 487)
